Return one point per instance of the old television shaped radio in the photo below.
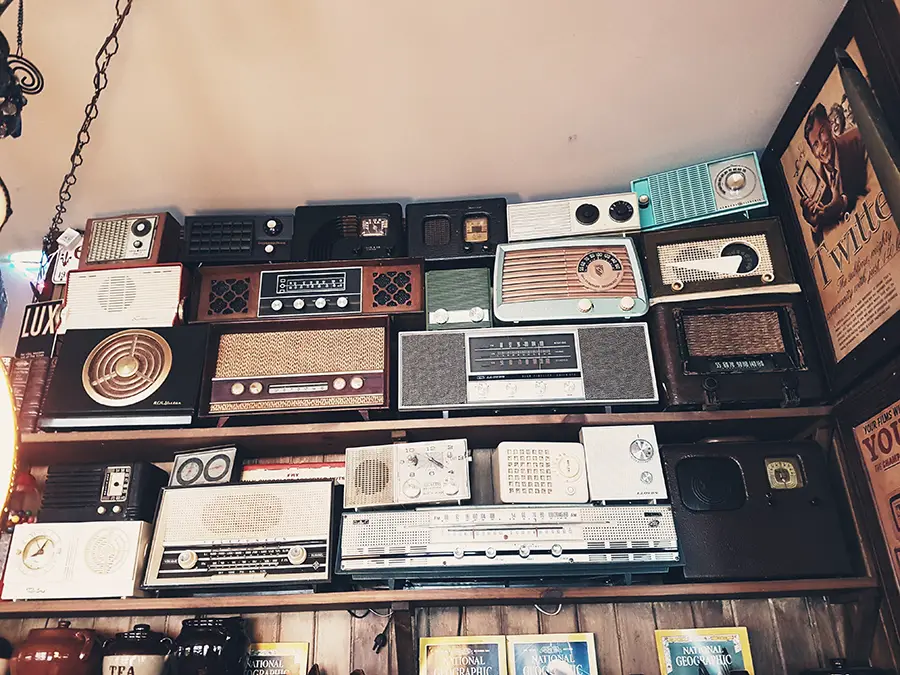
(463, 229)
(349, 232)
(237, 238)
(700, 191)
(459, 298)
(130, 241)
(581, 216)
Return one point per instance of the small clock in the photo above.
(209, 466)
(40, 552)
(784, 473)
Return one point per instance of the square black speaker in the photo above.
(710, 484)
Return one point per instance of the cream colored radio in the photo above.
(541, 473)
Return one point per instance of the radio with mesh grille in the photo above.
(260, 534)
(579, 217)
(456, 230)
(508, 541)
(237, 238)
(130, 241)
(349, 232)
(458, 298)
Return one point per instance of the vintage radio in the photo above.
(134, 377)
(296, 291)
(256, 473)
(130, 241)
(326, 364)
(755, 511)
(57, 561)
(514, 367)
(456, 230)
(711, 261)
(569, 280)
(721, 353)
(208, 466)
(582, 216)
(349, 232)
(530, 472)
(80, 492)
(224, 239)
(245, 534)
(139, 297)
(701, 191)
(623, 463)
(458, 298)
(508, 541)
(431, 472)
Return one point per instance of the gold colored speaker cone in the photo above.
(126, 367)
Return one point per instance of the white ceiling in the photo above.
(227, 105)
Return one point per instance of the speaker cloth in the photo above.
(733, 334)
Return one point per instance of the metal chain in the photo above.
(21, 24)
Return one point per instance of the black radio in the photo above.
(349, 232)
(223, 239)
(77, 493)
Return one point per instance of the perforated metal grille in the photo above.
(229, 296)
(211, 236)
(436, 231)
(733, 334)
(432, 369)
(369, 476)
(709, 250)
(392, 288)
(106, 551)
(618, 366)
(109, 240)
(681, 194)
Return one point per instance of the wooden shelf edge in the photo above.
(261, 603)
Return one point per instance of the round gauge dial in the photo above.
(748, 254)
(39, 552)
(600, 271)
(217, 468)
(189, 472)
(784, 474)
(641, 450)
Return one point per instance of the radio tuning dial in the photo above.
(296, 555)
(569, 388)
(626, 303)
(269, 248)
(621, 211)
(273, 228)
(277, 305)
(411, 489)
(299, 303)
(524, 551)
(556, 550)
(450, 488)
(321, 303)
(342, 302)
(339, 383)
(735, 180)
(476, 315)
(357, 382)
(585, 305)
(187, 559)
(481, 388)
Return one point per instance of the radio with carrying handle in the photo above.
(300, 290)
(456, 230)
(349, 232)
(234, 239)
(130, 241)
(581, 216)
(458, 298)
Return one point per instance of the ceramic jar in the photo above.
(208, 646)
(139, 651)
(5, 654)
(58, 651)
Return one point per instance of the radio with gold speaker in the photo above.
(310, 365)
(300, 290)
(456, 230)
(130, 241)
(126, 378)
(568, 280)
(736, 353)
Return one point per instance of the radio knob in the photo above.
(321, 303)
(269, 248)
(277, 305)
(441, 316)
(627, 303)
(644, 201)
(299, 304)
(273, 227)
(476, 315)
(585, 305)
(556, 550)
(490, 552)
(620, 211)
(187, 560)
(101, 510)
(459, 552)
(138, 244)
(541, 387)
(511, 388)
(524, 551)
(569, 388)
(450, 488)
(339, 383)
(411, 489)
(296, 555)
(357, 382)
(237, 389)
(342, 302)
(481, 389)
(735, 180)
(117, 509)
(256, 387)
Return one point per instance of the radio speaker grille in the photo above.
(433, 369)
(733, 334)
(229, 296)
(369, 476)
(710, 250)
(392, 288)
(436, 231)
(682, 194)
(126, 367)
(223, 237)
(106, 551)
(109, 239)
(616, 363)
(116, 294)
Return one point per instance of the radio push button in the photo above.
(296, 555)
(187, 560)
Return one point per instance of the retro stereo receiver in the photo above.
(296, 291)
(569, 280)
(720, 353)
(530, 472)
(581, 216)
(349, 232)
(130, 241)
(128, 378)
(701, 191)
(711, 261)
(454, 230)
(57, 561)
(623, 463)
(755, 511)
(513, 367)
(508, 541)
(324, 364)
(81, 492)
(271, 534)
(432, 472)
(224, 239)
(458, 298)
(139, 297)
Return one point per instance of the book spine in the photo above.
(18, 379)
(34, 394)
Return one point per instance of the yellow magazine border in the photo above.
(692, 633)
(499, 640)
(292, 649)
(512, 640)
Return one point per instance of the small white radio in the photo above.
(623, 463)
(541, 473)
(582, 216)
(58, 561)
(433, 472)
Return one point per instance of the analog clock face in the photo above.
(217, 468)
(189, 472)
(39, 552)
(784, 473)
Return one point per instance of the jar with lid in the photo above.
(5, 654)
(58, 651)
(139, 651)
(210, 646)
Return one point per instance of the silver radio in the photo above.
(531, 472)
(56, 561)
(596, 215)
(458, 298)
(432, 472)
(508, 541)
(267, 534)
(623, 463)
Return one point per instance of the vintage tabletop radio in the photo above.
(296, 291)
(514, 367)
(310, 365)
(582, 216)
(240, 535)
(138, 297)
(569, 280)
(80, 492)
(704, 190)
(431, 472)
(130, 241)
(743, 351)
(207, 466)
(234, 239)
(531, 472)
(623, 463)
(508, 541)
(755, 511)
(57, 561)
(349, 232)
(711, 261)
(456, 230)
(458, 298)
(126, 378)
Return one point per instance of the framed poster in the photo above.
(843, 237)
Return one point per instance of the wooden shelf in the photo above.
(329, 437)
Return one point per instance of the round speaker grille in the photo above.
(712, 492)
(106, 551)
(126, 367)
(372, 476)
